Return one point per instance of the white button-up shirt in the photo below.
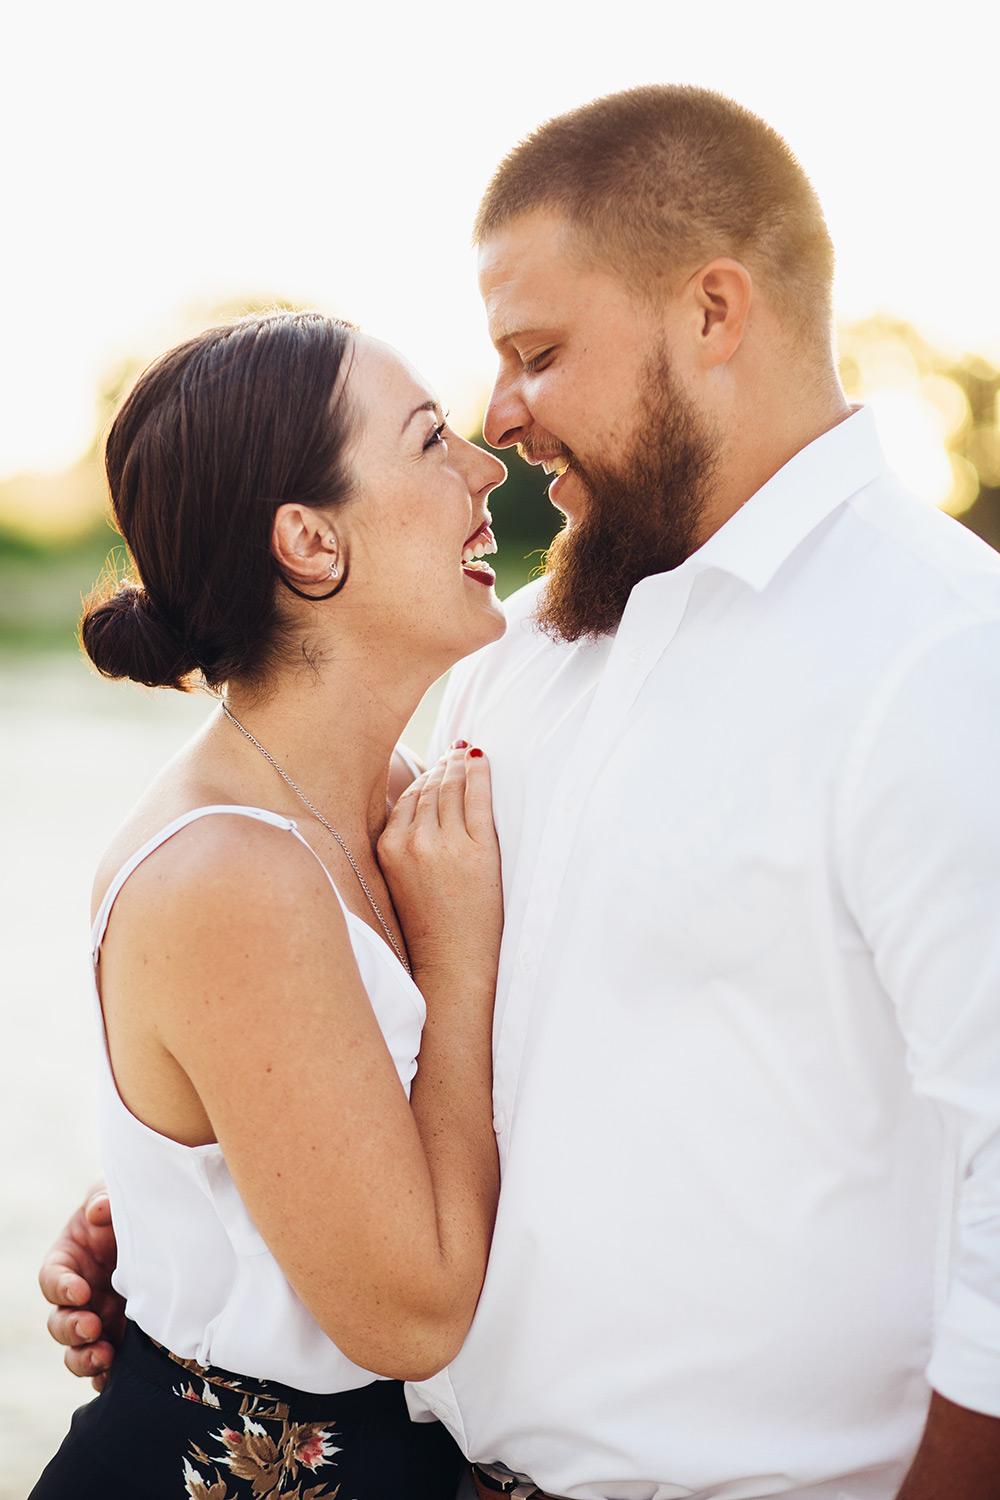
(747, 1071)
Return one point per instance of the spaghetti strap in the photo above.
(262, 816)
(113, 890)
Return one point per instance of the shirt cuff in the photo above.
(965, 1365)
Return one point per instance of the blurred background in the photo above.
(165, 166)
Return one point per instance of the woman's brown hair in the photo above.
(212, 438)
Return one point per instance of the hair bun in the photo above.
(125, 635)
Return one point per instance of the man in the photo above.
(743, 739)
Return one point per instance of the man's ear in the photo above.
(723, 292)
(304, 545)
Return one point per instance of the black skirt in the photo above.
(168, 1428)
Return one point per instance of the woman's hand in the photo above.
(88, 1316)
(441, 860)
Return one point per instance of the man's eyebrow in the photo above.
(506, 336)
(425, 406)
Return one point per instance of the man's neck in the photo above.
(764, 441)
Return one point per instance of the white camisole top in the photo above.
(193, 1269)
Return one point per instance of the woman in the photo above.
(309, 536)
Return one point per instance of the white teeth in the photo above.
(556, 465)
(478, 549)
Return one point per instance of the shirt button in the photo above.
(527, 962)
(635, 655)
(499, 1121)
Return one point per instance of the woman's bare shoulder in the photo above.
(219, 839)
(222, 910)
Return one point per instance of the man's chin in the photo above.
(580, 600)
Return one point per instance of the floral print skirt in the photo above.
(171, 1429)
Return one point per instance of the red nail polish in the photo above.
(460, 745)
(475, 752)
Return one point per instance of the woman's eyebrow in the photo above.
(425, 406)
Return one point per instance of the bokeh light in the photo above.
(937, 414)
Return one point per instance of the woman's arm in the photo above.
(75, 1276)
(238, 967)
(440, 856)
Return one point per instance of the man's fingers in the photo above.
(74, 1329)
(97, 1209)
(87, 1355)
(65, 1288)
(61, 1281)
(91, 1362)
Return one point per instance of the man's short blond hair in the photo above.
(661, 179)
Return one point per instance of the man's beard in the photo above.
(641, 518)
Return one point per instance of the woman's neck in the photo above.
(332, 732)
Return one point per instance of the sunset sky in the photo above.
(160, 161)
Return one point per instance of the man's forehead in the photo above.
(531, 244)
(525, 269)
(536, 281)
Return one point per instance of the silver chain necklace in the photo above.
(330, 829)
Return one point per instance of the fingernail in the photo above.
(475, 752)
(78, 1330)
(69, 1295)
(460, 744)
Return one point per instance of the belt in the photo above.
(500, 1480)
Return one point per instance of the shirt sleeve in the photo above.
(919, 844)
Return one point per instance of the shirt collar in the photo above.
(753, 543)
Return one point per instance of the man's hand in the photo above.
(88, 1315)
(958, 1458)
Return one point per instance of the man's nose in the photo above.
(507, 418)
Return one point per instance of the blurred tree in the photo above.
(957, 399)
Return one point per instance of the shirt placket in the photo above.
(651, 621)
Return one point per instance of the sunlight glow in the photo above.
(333, 156)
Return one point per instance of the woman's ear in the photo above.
(305, 546)
(723, 292)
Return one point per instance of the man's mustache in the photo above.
(533, 449)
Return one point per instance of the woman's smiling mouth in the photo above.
(480, 544)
